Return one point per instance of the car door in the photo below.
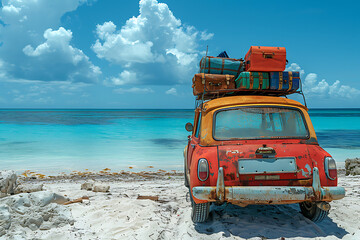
(193, 140)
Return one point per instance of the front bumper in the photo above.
(268, 194)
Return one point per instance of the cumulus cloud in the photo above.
(117, 48)
(171, 91)
(313, 87)
(296, 68)
(125, 77)
(10, 9)
(133, 90)
(32, 50)
(154, 45)
(57, 48)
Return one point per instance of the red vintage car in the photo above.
(257, 150)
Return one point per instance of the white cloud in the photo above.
(25, 54)
(125, 77)
(133, 90)
(171, 91)
(54, 41)
(183, 59)
(57, 48)
(206, 36)
(118, 49)
(10, 9)
(296, 68)
(313, 87)
(155, 45)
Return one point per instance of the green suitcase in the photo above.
(253, 80)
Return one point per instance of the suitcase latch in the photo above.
(268, 55)
(215, 84)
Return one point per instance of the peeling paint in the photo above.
(306, 173)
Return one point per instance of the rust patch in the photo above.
(231, 176)
(227, 192)
(212, 195)
(305, 183)
(270, 202)
(201, 151)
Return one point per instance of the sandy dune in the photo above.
(118, 214)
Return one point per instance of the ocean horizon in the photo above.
(64, 140)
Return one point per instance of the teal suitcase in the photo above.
(253, 81)
(218, 65)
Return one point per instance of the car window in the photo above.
(259, 123)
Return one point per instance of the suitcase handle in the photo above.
(268, 55)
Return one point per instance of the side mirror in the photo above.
(189, 127)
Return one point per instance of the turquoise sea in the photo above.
(54, 141)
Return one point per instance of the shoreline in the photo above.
(102, 174)
(108, 173)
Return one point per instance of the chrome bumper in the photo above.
(268, 194)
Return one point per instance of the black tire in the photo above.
(199, 211)
(311, 211)
(186, 183)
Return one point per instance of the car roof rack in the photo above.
(210, 95)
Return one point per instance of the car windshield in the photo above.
(259, 123)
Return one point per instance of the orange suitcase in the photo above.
(265, 59)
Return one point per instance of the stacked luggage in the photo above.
(262, 72)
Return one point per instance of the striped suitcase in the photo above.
(284, 81)
(252, 80)
(219, 65)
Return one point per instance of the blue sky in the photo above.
(131, 54)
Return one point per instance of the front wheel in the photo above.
(311, 211)
(199, 211)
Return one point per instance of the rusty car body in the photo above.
(257, 150)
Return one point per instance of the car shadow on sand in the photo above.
(266, 221)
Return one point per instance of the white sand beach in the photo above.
(119, 214)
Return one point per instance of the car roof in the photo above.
(244, 100)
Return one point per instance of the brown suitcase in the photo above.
(212, 83)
